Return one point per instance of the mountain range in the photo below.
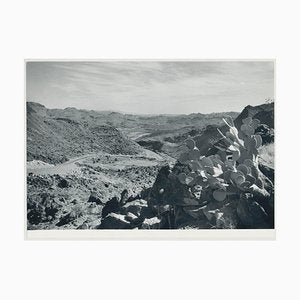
(56, 135)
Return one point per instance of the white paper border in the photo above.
(190, 234)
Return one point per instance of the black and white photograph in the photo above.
(150, 145)
(149, 149)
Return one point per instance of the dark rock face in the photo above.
(34, 216)
(63, 183)
(264, 113)
(208, 138)
(251, 214)
(266, 117)
(112, 206)
(166, 189)
(267, 171)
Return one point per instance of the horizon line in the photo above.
(132, 113)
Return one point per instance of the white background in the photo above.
(149, 29)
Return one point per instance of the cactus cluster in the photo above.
(229, 173)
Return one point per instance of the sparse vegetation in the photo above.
(230, 176)
(223, 177)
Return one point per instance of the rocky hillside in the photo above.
(108, 181)
(55, 137)
(232, 188)
(207, 138)
(264, 113)
(71, 195)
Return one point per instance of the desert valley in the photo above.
(91, 169)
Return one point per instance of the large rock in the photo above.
(252, 214)
(136, 207)
(63, 183)
(166, 189)
(264, 113)
(132, 218)
(152, 223)
(111, 206)
(114, 221)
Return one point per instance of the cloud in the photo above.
(151, 86)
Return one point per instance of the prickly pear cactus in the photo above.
(229, 174)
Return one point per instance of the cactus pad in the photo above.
(247, 121)
(190, 143)
(194, 154)
(244, 169)
(219, 195)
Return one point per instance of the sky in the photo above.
(150, 87)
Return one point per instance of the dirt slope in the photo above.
(54, 139)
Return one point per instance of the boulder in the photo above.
(132, 218)
(111, 206)
(63, 183)
(114, 221)
(251, 214)
(166, 189)
(34, 216)
(135, 207)
(152, 223)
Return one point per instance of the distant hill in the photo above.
(264, 113)
(207, 134)
(208, 137)
(55, 136)
(135, 126)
